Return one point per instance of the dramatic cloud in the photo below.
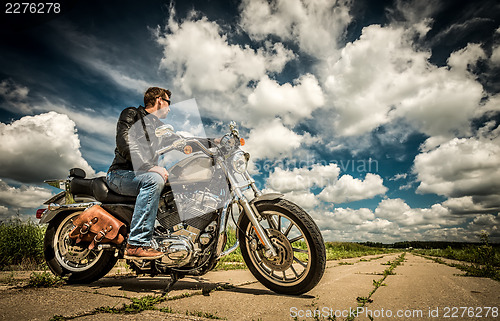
(349, 189)
(465, 170)
(302, 179)
(292, 102)
(14, 97)
(316, 26)
(35, 148)
(305, 80)
(23, 197)
(297, 184)
(198, 53)
(395, 220)
(272, 140)
(381, 77)
(100, 56)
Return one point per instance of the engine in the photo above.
(187, 226)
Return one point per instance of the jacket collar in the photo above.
(142, 110)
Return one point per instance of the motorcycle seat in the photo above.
(98, 188)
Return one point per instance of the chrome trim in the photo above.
(229, 250)
(222, 229)
(55, 207)
(256, 191)
(270, 250)
(266, 197)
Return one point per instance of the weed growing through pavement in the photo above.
(9, 279)
(205, 315)
(362, 301)
(149, 302)
(43, 280)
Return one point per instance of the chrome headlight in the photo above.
(240, 162)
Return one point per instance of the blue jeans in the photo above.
(147, 187)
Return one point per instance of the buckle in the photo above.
(102, 233)
(86, 230)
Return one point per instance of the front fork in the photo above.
(261, 233)
(252, 213)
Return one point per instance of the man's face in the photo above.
(163, 106)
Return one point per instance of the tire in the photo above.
(76, 263)
(301, 250)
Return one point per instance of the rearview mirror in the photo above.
(164, 130)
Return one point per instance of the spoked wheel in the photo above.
(301, 259)
(75, 261)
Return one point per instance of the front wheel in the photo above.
(301, 259)
(74, 261)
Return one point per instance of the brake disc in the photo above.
(284, 259)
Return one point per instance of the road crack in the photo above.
(363, 301)
(149, 302)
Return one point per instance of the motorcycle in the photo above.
(279, 242)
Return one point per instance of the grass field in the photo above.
(21, 247)
(476, 260)
(21, 244)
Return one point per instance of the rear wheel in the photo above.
(301, 259)
(74, 261)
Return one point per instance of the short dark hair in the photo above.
(154, 92)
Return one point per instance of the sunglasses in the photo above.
(167, 100)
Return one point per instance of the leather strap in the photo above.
(145, 132)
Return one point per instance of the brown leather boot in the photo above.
(133, 252)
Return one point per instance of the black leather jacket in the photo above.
(140, 151)
(125, 150)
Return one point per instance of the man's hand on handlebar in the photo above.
(160, 170)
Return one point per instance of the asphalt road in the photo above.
(418, 289)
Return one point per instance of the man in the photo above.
(135, 169)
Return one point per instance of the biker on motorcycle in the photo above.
(181, 216)
(135, 170)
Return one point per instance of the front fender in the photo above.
(266, 197)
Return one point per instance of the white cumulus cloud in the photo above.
(349, 189)
(382, 77)
(272, 140)
(35, 148)
(24, 196)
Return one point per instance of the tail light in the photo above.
(40, 212)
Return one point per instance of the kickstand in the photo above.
(173, 279)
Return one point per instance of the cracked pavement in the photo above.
(418, 284)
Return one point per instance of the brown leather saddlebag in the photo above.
(95, 225)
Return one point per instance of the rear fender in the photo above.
(58, 210)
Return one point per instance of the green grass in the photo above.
(21, 243)
(43, 280)
(233, 261)
(484, 258)
(334, 251)
(474, 254)
(345, 250)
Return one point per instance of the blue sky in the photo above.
(380, 118)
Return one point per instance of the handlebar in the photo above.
(181, 143)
